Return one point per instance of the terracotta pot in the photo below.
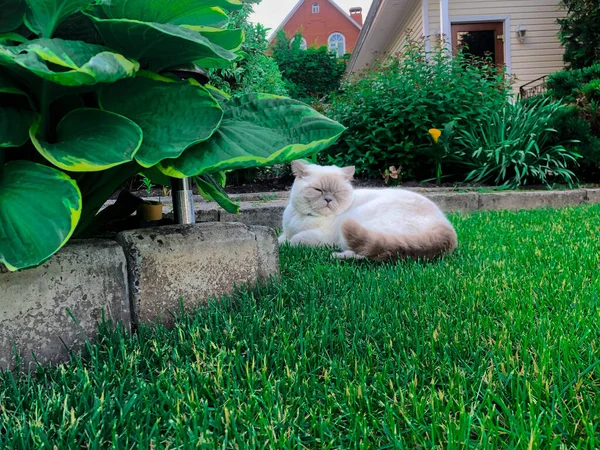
(151, 211)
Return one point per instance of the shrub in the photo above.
(516, 145)
(567, 84)
(83, 113)
(390, 107)
(309, 74)
(580, 121)
(257, 72)
(580, 33)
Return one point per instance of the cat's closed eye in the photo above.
(318, 190)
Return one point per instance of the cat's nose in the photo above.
(328, 199)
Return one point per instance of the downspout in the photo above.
(445, 25)
(425, 18)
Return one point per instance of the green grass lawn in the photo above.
(496, 346)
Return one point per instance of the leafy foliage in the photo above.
(309, 74)
(83, 112)
(580, 121)
(516, 146)
(580, 33)
(257, 72)
(389, 108)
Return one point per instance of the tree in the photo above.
(309, 74)
(580, 33)
(256, 72)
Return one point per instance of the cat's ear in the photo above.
(349, 172)
(299, 169)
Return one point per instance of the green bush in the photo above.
(82, 113)
(309, 74)
(257, 72)
(580, 90)
(516, 145)
(580, 33)
(567, 84)
(390, 107)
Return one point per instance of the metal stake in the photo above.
(183, 201)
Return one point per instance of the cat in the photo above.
(378, 224)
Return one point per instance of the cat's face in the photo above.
(321, 191)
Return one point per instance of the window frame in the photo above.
(316, 8)
(337, 48)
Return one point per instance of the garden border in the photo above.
(259, 209)
(142, 277)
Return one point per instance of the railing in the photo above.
(533, 88)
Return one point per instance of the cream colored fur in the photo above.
(380, 224)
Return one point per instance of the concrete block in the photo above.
(193, 263)
(531, 200)
(84, 279)
(593, 196)
(267, 214)
(268, 252)
(455, 202)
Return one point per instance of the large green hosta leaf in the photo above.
(158, 46)
(175, 12)
(90, 140)
(210, 188)
(257, 130)
(228, 39)
(43, 16)
(40, 210)
(172, 115)
(67, 63)
(11, 14)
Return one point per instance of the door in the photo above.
(484, 39)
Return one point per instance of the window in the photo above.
(337, 44)
(315, 8)
(303, 43)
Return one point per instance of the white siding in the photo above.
(411, 26)
(540, 54)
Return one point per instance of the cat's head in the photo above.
(321, 190)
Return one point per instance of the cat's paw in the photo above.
(348, 254)
(282, 239)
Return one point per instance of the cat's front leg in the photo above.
(282, 239)
(311, 238)
(348, 254)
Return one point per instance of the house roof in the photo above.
(379, 26)
(300, 2)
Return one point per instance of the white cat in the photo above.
(378, 224)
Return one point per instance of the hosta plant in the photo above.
(91, 94)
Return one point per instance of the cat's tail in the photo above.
(439, 239)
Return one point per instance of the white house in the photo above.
(521, 34)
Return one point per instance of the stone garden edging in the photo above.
(53, 309)
(269, 212)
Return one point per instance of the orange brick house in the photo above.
(323, 22)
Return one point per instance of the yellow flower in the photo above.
(435, 134)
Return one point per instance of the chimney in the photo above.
(356, 15)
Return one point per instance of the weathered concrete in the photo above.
(85, 280)
(531, 200)
(455, 203)
(593, 195)
(267, 214)
(193, 263)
